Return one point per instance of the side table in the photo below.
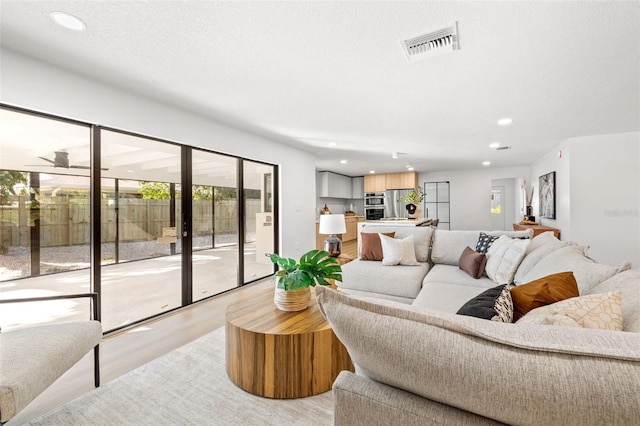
(280, 354)
(537, 229)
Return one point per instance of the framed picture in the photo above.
(547, 185)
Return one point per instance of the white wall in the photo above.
(598, 194)
(33, 84)
(548, 163)
(470, 193)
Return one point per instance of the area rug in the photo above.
(188, 386)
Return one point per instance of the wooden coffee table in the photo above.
(280, 354)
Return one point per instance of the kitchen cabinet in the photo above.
(357, 188)
(375, 183)
(402, 180)
(351, 234)
(352, 228)
(333, 185)
(319, 237)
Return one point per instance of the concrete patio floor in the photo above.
(131, 291)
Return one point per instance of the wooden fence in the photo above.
(65, 220)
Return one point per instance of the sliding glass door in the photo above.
(173, 224)
(141, 272)
(44, 216)
(214, 196)
(259, 219)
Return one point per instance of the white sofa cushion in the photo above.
(532, 257)
(372, 276)
(504, 257)
(421, 237)
(446, 288)
(448, 245)
(588, 273)
(514, 374)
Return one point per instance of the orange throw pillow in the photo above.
(543, 291)
(371, 248)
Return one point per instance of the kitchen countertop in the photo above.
(346, 217)
(398, 222)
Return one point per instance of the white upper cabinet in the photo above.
(357, 187)
(333, 185)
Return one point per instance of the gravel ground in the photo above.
(16, 264)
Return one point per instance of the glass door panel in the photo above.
(141, 276)
(44, 217)
(215, 223)
(259, 220)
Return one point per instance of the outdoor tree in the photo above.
(160, 191)
(8, 181)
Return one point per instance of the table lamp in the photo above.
(332, 224)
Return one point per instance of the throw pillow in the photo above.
(603, 311)
(472, 262)
(494, 304)
(543, 291)
(371, 247)
(484, 242)
(504, 257)
(542, 239)
(398, 251)
(628, 283)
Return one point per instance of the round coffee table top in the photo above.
(257, 313)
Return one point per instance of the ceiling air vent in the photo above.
(503, 148)
(434, 43)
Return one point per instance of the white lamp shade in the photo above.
(332, 224)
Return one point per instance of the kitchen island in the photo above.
(420, 221)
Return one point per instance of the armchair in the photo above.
(32, 358)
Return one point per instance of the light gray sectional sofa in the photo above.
(418, 362)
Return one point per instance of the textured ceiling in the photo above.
(310, 73)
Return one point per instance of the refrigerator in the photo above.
(393, 207)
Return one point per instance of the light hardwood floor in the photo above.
(128, 349)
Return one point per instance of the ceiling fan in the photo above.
(61, 160)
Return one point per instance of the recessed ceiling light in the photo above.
(394, 155)
(505, 121)
(372, 171)
(68, 21)
(486, 163)
(332, 144)
(343, 161)
(410, 168)
(494, 145)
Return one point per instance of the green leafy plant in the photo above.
(413, 197)
(315, 267)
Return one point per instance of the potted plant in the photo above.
(294, 279)
(412, 200)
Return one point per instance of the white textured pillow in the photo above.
(542, 239)
(603, 311)
(504, 257)
(398, 251)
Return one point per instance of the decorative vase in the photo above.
(529, 211)
(412, 210)
(292, 300)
